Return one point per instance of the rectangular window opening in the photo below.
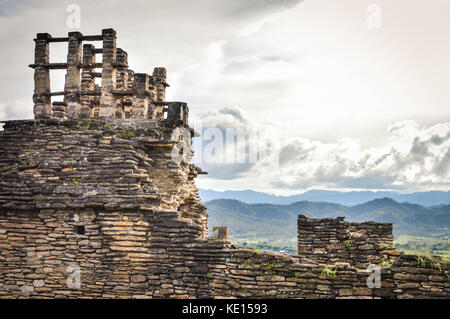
(80, 230)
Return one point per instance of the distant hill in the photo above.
(432, 198)
(277, 224)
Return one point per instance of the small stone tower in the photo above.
(123, 94)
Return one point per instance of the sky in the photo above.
(350, 94)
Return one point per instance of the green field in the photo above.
(409, 244)
(423, 245)
(289, 246)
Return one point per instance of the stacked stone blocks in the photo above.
(122, 93)
(331, 240)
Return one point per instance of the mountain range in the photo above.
(431, 198)
(277, 223)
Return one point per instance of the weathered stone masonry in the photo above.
(123, 94)
(331, 240)
(92, 183)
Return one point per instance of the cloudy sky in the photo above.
(354, 93)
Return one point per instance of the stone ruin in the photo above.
(331, 241)
(94, 203)
(123, 94)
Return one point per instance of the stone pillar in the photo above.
(222, 232)
(73, 81)
(178, 111)
(41, 97)
(152, 107)
(121, 73)
(121, 59)
(87, 82)
(121, 81)
(159, 79)
(141, 95)
(130, 79)
(107, 99)
(127, 100)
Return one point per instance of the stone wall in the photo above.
(107, 199)
(420, 277)
(120, 254)
(142, 255)
(112, 164)
(104, 196)
(270, 275)
(331, 240)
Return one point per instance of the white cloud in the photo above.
(414, 157)
(16, 110)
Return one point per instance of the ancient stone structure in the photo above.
(334, 240)
(98, 200)
(123, 94)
